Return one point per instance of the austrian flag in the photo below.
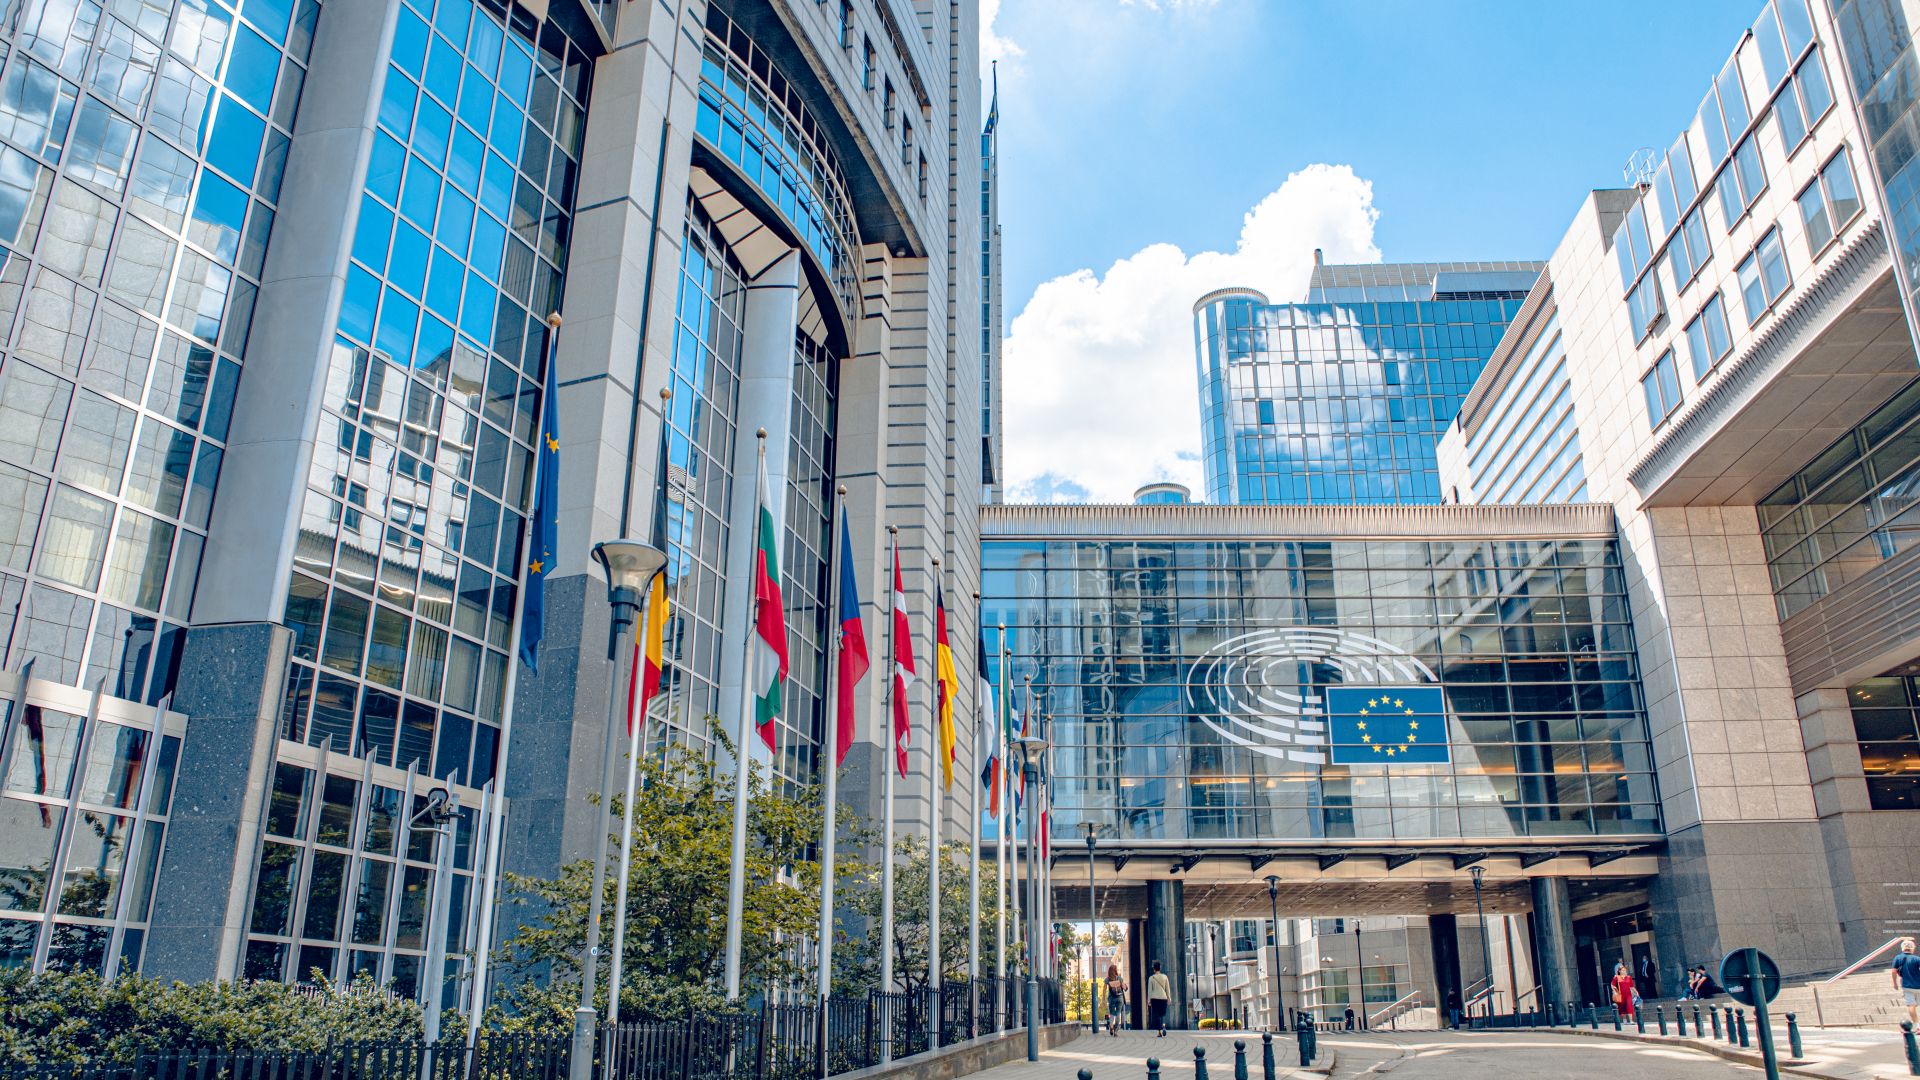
(769, 662)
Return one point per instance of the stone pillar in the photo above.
(1166, 944)
(1553, 940)
(231, 680)
(1444, 933)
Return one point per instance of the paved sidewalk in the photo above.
(1124, 1057)
(1832, 1053)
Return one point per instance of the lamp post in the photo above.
(630, 567)
(1360, 972)
(1093, 934)
(441, 810)
(1486, 950)
(1279, 987)
(1032, 750)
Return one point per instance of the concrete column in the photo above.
(766, 401)
(1553, 939)
(257, 517)
(1444, 933)
(232, 677)
(1166, 943)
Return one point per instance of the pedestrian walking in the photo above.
(1906, 979)
(1453, 1009)
(1349, 1018)
(1159, 993)
(1623, 990)
(1116, 998)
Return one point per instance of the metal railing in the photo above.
(771, 1042)
(1867, 959)
(1406, 1003)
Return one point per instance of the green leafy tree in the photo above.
(76, 1016)
(676, 912)
(857, 966)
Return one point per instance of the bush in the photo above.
(76, 1016)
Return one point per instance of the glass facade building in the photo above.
(1188, 681)
(1882, 57)
(1340, 400)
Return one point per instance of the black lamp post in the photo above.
(1093, 935)
(1279, 987)
(1486, 949)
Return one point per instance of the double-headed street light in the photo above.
(1093, 934)
(1033, 752)
(630, 567)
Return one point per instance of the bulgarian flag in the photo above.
(769, 660)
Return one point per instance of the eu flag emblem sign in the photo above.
(1387, 725)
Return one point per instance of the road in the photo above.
(1446, 1055)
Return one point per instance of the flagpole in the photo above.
(973, 846)
(1000, 834)
(935, 796)
(626, 827)
(490, 885)
(886, 788)
(737, 873)
(831, 766)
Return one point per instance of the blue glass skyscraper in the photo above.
(1341, 399)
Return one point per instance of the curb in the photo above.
(1796, 1066)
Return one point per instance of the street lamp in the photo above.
(441, 810)
(1032, 750)
(1360, 965)
(1279, 988)
(1093, 934)
(630, 568)
(1486, 950)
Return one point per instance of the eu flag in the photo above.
(1387, 725)
(546, 503)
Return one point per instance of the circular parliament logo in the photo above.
(1255, 690)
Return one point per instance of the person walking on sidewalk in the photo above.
(1906, 979)
(1116, 998)
(1624, 993)
(1159, 993)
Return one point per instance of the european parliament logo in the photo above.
(1387, 725)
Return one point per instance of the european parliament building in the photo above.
(276, 280)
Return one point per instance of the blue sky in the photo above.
(1472, 130)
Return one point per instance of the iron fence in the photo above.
(772, 1042)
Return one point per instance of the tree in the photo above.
(857, 966)
(674, 952)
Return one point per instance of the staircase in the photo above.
(1863, 999)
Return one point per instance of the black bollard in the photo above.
(1640, 1020)
(1239, 1059)
(1730, 1036)
(1913, 1051)
(1266, 1055)
(1714, 1014)
(1199, 1063)
(1680, 1017)
(1086, 1074)
(1660, 1016)
(1153, 1069)
(1699, 1029)
(1741, 1016)
(1616, 1018)
(1593, 1016)
(1793, 1037)
(1552, 1018)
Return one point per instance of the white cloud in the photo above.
(1101, 395)
(992, 45)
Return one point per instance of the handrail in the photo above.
(1521, 999)
(1413, 996)
(1469, 994)
(1867, 959)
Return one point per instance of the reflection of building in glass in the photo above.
(1340, 400)
(1177, 715)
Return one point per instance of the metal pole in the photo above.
(936, 796)
(634, 724)
(1031, 776)
(1360, 972)
(886, 788)
(830, 765)
(1486, 947)
(1093, 931)
(1279, 988)
(1001, 877)
(737, 872)
(973, 844)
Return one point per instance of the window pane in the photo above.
(75, 542)
(158, 479)
(33, 406)
(1813, 215)
(1773, 266)
(102, 151)
(1842, 197)
(42, 757)
(139, 569)
(28, 832)
(22, 495)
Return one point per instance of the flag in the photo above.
(37, 738)
(947, 682)
(546, 505)
(648, 656)
(769, 619)
(853, 647)
(1017, 779)
(987, 749)
(902, 667)
(1387, 725)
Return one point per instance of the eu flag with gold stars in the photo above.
(543, 539)
(1387, 725)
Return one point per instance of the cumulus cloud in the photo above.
(1099, 368)
(992, 45)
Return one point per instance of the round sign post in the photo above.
(1752, 978)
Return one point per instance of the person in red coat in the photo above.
(1623, 991)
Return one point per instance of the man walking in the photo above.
(1159, 993)
(1906, 979)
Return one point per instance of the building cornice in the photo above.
(1203, 522)
(1747, 374)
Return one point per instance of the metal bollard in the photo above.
(1266, 1055)
(1913, 1051)
(1086, 1074)
(1660, 1016)
(1616, 1018)
(1741, 1016)
(1199, 1063)
(1153, 1069)
(1699, 1029)
(1730, 1037)
(1680, 1017)
(1640, 1020)
(1793, 1037)
(1715, 1015)
(1239, 1059)
(1552, 1019)
(1593, 1016)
